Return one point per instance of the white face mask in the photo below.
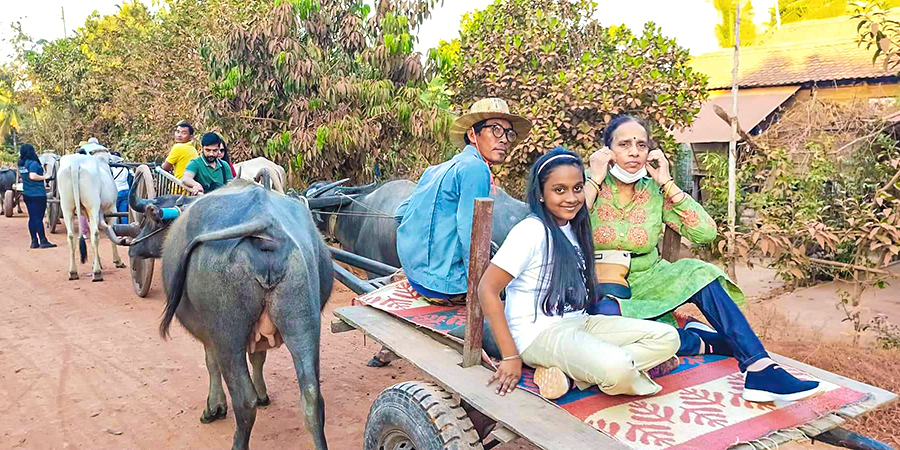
(625, 177)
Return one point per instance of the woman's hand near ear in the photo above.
(660, 174)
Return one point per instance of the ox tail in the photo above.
(179, 280)
(76, 192)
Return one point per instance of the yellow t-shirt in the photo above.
(180, 155)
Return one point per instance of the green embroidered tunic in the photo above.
(658, 286)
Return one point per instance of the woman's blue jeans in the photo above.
(122, 204)
(725, 316)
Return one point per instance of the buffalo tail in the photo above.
(179, 280)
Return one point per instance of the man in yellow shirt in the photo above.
(183, 151)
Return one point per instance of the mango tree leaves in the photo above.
(329, 89)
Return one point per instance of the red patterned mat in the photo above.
(700, 405)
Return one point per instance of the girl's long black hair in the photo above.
(27, 153)
(227, 157)
(565, 285)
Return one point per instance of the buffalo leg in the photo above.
(216, 404)
(304, 349)
(257, 360)
(232, 358)
(115, 248)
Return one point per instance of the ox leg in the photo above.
(93, 224)
(115, 248)
(257, 360)
(233, 362)
(216, 404)
(69, 219)
(303, 342)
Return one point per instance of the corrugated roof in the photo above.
(810, 51)
(754, 106)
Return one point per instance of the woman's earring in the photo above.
(542, 199)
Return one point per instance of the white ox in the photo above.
(250, 170)
(86, 185)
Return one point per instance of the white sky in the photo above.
(691, 22)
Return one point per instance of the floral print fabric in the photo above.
(657, 286)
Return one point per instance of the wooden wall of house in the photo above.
(850, 93)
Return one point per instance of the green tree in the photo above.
(330, 89)
(800, 10)
(725, 28)
(558, 66)
(9, 113)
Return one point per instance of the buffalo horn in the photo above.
(357, 189)
(137, 204)
(326, 188)
(264, 178)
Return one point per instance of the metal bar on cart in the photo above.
(363, 263)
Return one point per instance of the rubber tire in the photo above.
(141, 268)
(422, 414)
(8, 203)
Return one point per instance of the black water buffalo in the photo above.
(242, 280)
(367, 226)
(7, 180)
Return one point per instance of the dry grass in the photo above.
(870, 365)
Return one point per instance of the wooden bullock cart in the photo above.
(425, 415)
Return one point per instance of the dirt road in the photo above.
(82, 365)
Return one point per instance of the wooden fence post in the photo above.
(480, 256)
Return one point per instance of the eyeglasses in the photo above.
(498, 131)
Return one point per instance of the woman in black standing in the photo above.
(32, 174)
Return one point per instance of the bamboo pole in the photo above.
(732, 147)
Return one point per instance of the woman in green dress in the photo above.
(632, 196)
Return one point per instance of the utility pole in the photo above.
(732, 147)
(777, 15)
(65, 30)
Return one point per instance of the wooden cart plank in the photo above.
(880, 397)
(536, 420)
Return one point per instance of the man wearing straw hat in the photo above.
(436, 227)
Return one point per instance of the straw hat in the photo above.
(488, 108)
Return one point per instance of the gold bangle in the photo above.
(594, 183)
(509, 358)
(668, 189)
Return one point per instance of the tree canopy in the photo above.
(554, 63)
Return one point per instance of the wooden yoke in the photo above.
(479, 257)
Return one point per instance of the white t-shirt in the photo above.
(522, 255)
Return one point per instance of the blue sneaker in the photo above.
(775, 384)
(716, 344)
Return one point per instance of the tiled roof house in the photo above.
(818, 57)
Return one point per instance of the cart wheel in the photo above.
(53, 209)
(419, 416)
(8, 203)
(141, 275)
(141, 268)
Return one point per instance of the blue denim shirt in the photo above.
(436, 230)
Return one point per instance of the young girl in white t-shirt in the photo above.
(546, 267)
